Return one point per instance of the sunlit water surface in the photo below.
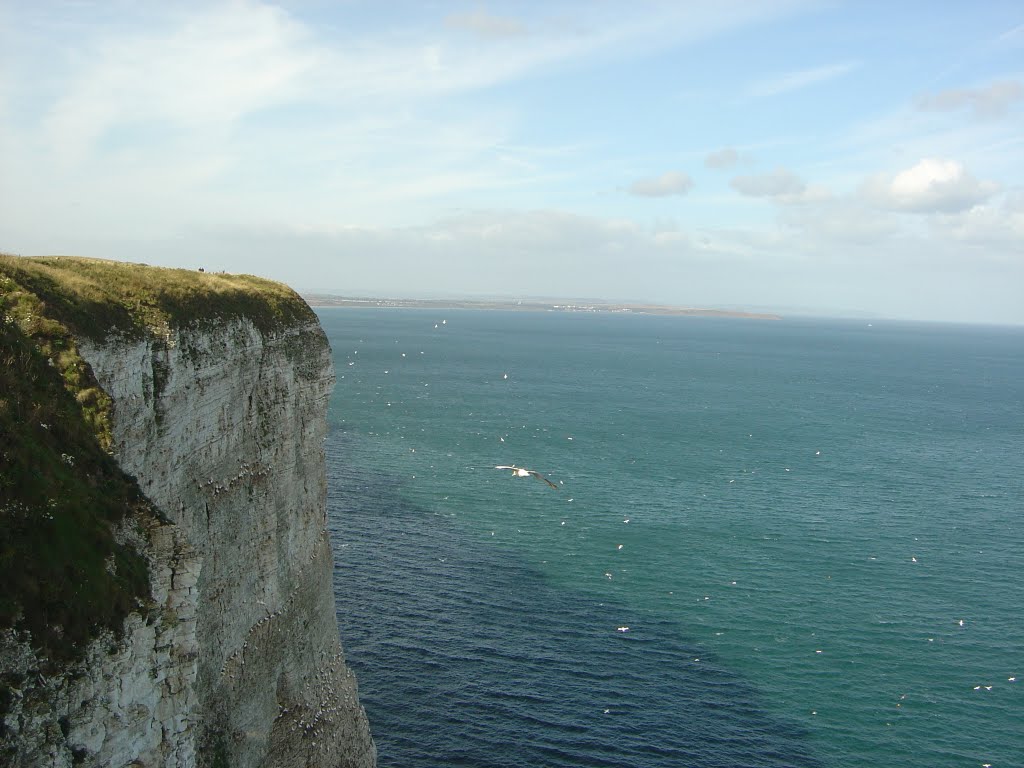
(812, 531)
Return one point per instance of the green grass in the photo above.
(64, 576)
(95, 297)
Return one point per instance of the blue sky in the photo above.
(828, 157)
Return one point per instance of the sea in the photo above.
(772, 543)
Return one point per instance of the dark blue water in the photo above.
(792, 519)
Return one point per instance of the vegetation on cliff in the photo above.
(66, 573)
(96, 298)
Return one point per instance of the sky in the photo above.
(836, 158)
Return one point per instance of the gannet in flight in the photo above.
(521, 472)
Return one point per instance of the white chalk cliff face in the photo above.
(128, 699)
(223, 427)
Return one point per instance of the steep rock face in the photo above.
(223, 427)
(128, 700)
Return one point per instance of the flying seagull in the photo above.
(521, 472)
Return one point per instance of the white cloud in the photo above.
(204, 72)
(840, 221)
(804, 78)
(202, 69)
(998, 226)
(780, 184)
(537, 232)
(930, 186)
(670, 183)
(722, 158)
(487, 25)
(989, 101)
(188, 130)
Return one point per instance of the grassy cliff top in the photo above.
(66, 573)
(95, 297)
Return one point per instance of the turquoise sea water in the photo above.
(792, 519)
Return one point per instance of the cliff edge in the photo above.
(162, 504)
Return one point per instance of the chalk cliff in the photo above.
(234, 658)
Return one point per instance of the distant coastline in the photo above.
(530, 305)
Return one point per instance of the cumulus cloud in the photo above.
(988, 102)
(996, 226)
(722, 158)
(931, 186)
(670, 183)
(780, 184)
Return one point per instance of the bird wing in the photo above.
(539, 476)
(506, 466)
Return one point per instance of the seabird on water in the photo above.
(521, 472)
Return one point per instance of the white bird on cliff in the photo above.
(521, 472)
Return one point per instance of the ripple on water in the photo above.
(501, 669)
(873, 504)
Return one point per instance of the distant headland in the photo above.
(531, 305)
